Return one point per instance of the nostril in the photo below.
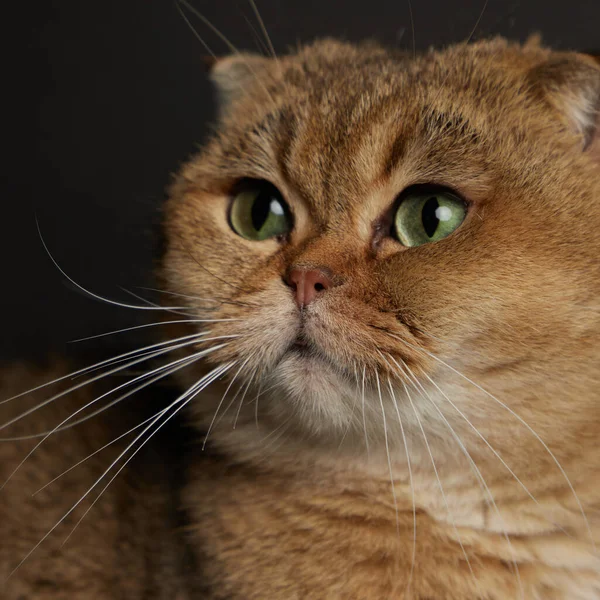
(307, 284)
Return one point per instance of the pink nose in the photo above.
(307, 284)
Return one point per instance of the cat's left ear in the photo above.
(570, 83)
(233, 75)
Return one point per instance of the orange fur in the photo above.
(510, 300)
(452, 385)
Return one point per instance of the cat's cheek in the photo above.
(264, 325)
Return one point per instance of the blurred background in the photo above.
(106, 99)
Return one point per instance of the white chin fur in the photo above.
(321, 397)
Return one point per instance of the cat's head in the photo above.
(398, 239)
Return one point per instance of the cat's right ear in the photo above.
(570, 84)
(233, 75)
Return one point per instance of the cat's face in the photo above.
(375, 223)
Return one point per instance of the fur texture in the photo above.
(435, 436)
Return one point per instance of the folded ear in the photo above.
(570, 83)
(234, 75)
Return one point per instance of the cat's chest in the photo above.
(260, 538)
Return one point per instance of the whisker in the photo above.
(256, 403)
(94, 295)
(184, 401)
(263, 28)
(101, 376)
(387, 450)
(280, 430)
(196, 388)
(150, 303)
(102, 363)
(439, 481)
(204, 268)
(412, 488)
(491, 501)
(490, 498)
(485, 4)
(230, 404)
(259, 42)
(364, 416)
(210, 427)
(193, 30)
(206, 22)
(114, 441)
(162, 368)
(237, 414)
(216, 300)
(493, 450)
(526, 425)
(104, 408)
(350, 420)
(412, 27)
(466, 43)
(158, 323)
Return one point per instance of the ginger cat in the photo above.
(383, 275)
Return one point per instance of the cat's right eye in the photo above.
(259, 212)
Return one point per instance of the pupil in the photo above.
(428, 216)
(260, 210)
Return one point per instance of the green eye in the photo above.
(425, 217)
(258, 212)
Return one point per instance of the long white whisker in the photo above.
(106, 374)
(147, 354)
(162, 368)
(105, 407)
(412, 488)
(491, 501)
(450, 515)
(210, 427)
(387, 450)
(190, 297)
(157, 324)
(237, 414)
(354, 403)
(526, 425)
(92, 294)
(193, 30)
(229, 44)
(264, 29)
(114, 441)
(493, 450)
(157, 306)
(364, 416)
(230, 404)
(182, 404)
(196, 388)
(102, 363)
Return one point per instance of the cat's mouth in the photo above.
(301, 347)
(310, 355)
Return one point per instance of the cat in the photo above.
(383, 322)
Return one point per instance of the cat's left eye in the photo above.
(428, 215)
(259, 212)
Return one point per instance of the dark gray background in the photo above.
(105, 99)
